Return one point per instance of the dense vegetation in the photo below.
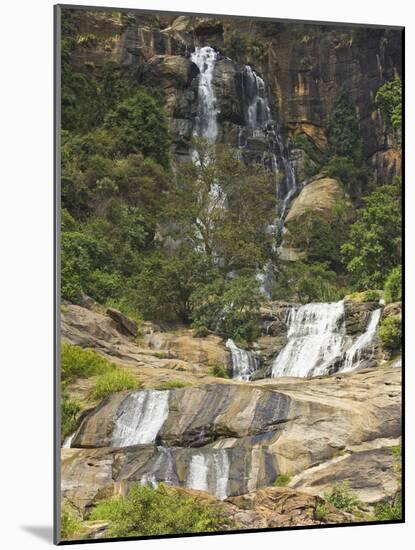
(159, 511)
(183, 242)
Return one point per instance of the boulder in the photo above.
(320, 195)
(124, 324)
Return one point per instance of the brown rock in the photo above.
(124, 324)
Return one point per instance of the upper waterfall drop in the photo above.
(316, 337)
(206, 116)
(140, 417)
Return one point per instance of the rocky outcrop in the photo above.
(176, 350)
(245, 435)
(371, 474)
(320, 195)
(304, 66)
(357, 314)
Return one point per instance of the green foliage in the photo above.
(237, 46)
(138, 125)
(201, 332)
(71, 524)
(388, 511)
(393, 285)
(321, 237)
(321, 513)
(70, 410)
(390, 332)
(307, 283)
(352, 174)
(366, 296)
(389, 100)
(374, 245)
(173, 384)
(112, 381)
(218, 370)
(343, 130)
(81, 363)
(235, 237)
(163, 287)
(230, 307)
(342, 498)
(282, 480)
(160, 511)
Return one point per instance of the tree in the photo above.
(162, 288)
(321, 237)
(138, 125)
(393, 285)
(230, 307)
(307, 283)
(389, 100)
(374, 245)
(224, 207)
(343, 131)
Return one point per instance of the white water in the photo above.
(362, 348)
(316, 336)
(244, 363)
(210, 473)
(206, 121)
(140, 417)
(68, 441)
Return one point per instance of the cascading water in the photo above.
(316, 336)
(140, 417)
(68, 441)
(244, 363)
(209, 471)
(206, 115)
(362, 349)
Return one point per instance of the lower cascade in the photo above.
(318, 344)
(210, 473)
(140, 417)
(244, 363)
(362, 349)
(316, 335)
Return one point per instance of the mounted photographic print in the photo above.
(228, 266)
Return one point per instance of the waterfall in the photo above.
(161, 469)
(210, 473)
(244, 363)
(206, 122)
(68, 441)
(362, 349)
(316, 336)
(140, 417)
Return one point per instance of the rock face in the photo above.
(320, 195)
(231, 439)
(371, 475)
(304, 68)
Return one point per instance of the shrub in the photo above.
(69, 415)
(321, 513)
(282, 480)
(218, 370)
(80, 363)
(366, 296)
(70, 524)
(393, 286)
(201, 332)
(387, 511)
(160, 511)
(172, 384)
(342, 498)
(114, 381)
(390, 332)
